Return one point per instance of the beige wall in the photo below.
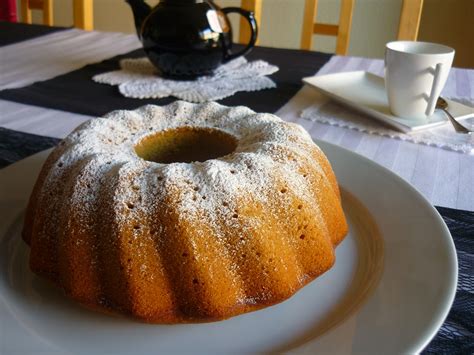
(375, 22)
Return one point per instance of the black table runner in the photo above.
(456, 336)
(16, 32)
(16, 145)
(76, 92)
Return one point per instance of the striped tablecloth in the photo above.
(30, 123)
(445, 178)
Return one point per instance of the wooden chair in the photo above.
(45, 5)
(341, 30)
(83, 12)
(410, 20)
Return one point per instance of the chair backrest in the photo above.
(46, 6)
(341, 30)
(83, 12)
(410, 16)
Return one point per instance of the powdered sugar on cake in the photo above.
(267, 147)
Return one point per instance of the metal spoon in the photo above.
(443, 105)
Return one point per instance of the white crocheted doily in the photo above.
(137, 79)
(444, 136)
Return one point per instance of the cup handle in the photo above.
(253, 36)
(434, 89)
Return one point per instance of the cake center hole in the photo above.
(185, 145)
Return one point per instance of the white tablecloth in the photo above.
(444, 177)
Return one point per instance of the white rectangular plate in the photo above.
(365, 92)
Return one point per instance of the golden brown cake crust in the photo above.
(185, 241)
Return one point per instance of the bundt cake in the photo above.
(184, 213)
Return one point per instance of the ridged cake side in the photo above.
(184, 242)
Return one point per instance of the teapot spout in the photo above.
(140, 11)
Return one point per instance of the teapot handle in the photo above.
(253, 36)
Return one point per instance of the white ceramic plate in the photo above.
(365, 92)
(390, 290)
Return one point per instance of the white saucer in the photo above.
(365, 92)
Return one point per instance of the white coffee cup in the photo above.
(415, 74)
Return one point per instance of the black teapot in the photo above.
(185, 39)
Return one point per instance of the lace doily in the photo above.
(137, 79)
(443, 136)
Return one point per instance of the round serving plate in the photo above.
(390, 290)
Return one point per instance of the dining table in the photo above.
(46, 91)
